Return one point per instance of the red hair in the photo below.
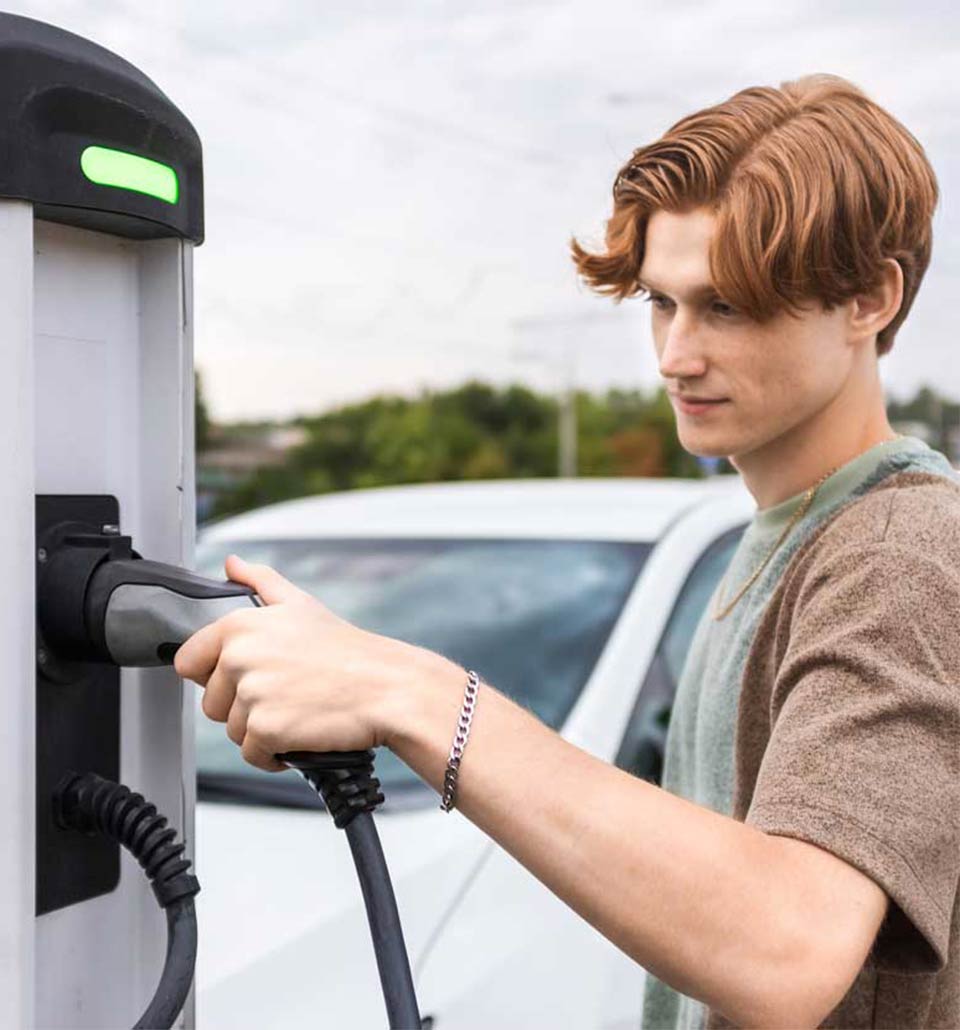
(813, 186)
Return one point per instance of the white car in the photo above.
(578, 598)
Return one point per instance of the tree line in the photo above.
(476, 431)
(479, 431)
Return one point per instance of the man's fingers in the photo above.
(237, 721)
(218, 697)
(197, 657)
(267, 582)
(261, 759)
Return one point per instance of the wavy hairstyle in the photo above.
(813, 185)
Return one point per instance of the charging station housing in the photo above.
(101, 205)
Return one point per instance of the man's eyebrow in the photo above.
(700, 290)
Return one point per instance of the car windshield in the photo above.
(531, 616)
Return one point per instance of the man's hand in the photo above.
(293, 676)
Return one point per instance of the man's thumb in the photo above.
(267, 582)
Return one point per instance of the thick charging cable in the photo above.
(345, 781)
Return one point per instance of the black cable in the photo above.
(351, 792)
(90, 804)
(396, 980)
(177, 976)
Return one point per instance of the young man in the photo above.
(799, 866)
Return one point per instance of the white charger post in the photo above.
(101, 204)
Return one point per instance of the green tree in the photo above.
(475, 431)
(940, 415)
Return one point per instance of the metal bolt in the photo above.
(110, 529)
(42, 554)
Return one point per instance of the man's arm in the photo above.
(767, 930)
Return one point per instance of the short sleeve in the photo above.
(863, 758)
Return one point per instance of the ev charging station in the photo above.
(101, 203)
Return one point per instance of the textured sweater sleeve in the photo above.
(863, 758)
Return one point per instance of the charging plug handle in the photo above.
(99, 601)
(146, 609)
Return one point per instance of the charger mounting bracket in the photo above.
(78, 703)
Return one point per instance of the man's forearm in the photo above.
(695, 897)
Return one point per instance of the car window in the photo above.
(642, 747)
(531, 616)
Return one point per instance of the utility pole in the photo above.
(567, 447)
(562, 329)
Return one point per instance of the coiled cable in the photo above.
(91, 804)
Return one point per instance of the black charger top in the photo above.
(90, 140)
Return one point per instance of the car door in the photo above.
(642, 747)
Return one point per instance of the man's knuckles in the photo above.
(266, 729)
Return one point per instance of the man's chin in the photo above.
(700, 447)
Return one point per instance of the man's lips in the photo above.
(691, 399)
(691, 405)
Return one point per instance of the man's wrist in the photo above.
(423, 708)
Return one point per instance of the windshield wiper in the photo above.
(237, 788)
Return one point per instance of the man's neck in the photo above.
(797, 460)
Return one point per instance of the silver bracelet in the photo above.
(459, 742)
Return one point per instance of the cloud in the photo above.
(391, 187)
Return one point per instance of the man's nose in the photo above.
(681, 356)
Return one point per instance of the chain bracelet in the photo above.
(459, 742)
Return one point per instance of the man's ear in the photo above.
(872, 312)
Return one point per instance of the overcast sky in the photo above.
(391, 186)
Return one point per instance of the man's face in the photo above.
(765, 380)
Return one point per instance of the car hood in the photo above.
(282, 928)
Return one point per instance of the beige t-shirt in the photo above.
(848, 733)
(838, 719)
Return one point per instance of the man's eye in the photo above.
(719, 307)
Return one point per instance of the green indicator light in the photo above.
(108, 167)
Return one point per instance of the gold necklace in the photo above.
(721, 611)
